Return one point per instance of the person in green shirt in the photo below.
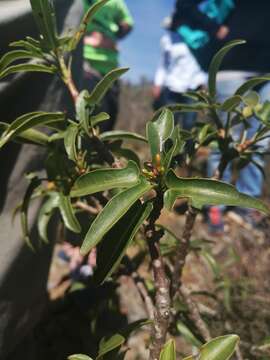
(110, 24)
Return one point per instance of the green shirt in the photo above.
(106, 21)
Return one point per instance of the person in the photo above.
(110, 24)
(177, 72)
(239, 65)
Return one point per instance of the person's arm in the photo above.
(124, 20)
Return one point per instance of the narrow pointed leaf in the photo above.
(116, 241)
(231, 103)
(27, 68)
(68, 215)
(201, 192)
(106, 179)
(85, 21)
(97, 119)
(187, 334)
(83, 110)
(177, 146)
(79, 357)
(159, 131)
(70, 141)
(251, 83)
(44, 14)
(26, 122)
(216, 62)
(12, 56)
(121, 135)
(34, 183)
(168, 352)
(220, 348)
(31, 45)
(112, 343)
(104, 85)
(112, 213)
(45, 214)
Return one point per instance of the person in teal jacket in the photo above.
(110, 24)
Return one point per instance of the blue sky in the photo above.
(140, 50)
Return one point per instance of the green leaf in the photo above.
(112, 213)
(85, 21)
(44, 15)
(211, 261)
(251, 83)
(34, 183)
(220, 348)
(26, 122)
(68, 215)
(231, 103)
(158, 132)
(103, 86)
(70, 141)
(116, 241)
(106, 179)
(112, 343)
(45, 214)
(121, 135)
(28, 136)
(28, 68)
(97, 119)
(83, 110)
(12, 56)
(79, 357)
(168, 352)
(201, 192)
(187, 334)
(31, 45)
(177, 146)
(215, 65)
(252, 99)
(194, 107)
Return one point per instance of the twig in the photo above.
(139, 282)
(162, 297)
(195, 313)
(88, 208)
(182, 250)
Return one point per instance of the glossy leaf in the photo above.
(216, 62)
(159, 131)
(79, 357)
(116, 241)
(220, 348)
(112, 343)
(68, 215)
(103, 86)
(34, 183)
(251, 83)
(106, 179)
(44, 15)
(127, 154)
(45, 214)
(231, 103)
(168, 352)
(28, 136)
(193, 107)
(85, 21)
(26, 122)
(27, 68)
(70, 142)
(187, 334)
(201, 192)
(251, 99)
(176, 147)
(112, 213)
(121, 135)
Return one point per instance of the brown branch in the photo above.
(88, 208)
(182, 250)
(162, 297)
(194, 313)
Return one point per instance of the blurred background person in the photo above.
(110, 24)
(178, 72)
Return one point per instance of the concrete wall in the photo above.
(23, 274)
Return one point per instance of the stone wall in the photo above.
(23, 274)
